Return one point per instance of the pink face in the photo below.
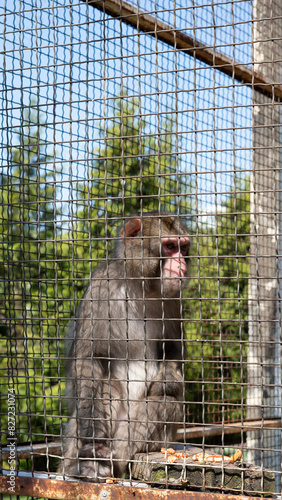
(174, 268)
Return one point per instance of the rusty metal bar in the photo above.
(232, 428)
(68, 490)
(179, 40)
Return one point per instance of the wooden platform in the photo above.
(154, 468)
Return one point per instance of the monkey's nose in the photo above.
(177, 268)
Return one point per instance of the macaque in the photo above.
(124, 371)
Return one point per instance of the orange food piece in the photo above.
(237, 456)
(181, 455)
(109, 481)
(214, 458)
(171, 459)
(169, 451)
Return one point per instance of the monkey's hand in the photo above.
(168, 382)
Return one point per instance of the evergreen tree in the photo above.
(28, 311)
(133, 170)
(217, 313)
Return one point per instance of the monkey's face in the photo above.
(157, 253)
(174, 253)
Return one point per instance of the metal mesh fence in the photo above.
(132, 135)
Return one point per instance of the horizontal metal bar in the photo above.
(68, 490)
(55, 447)
(181, 41)
(232, 428)
(25, 451)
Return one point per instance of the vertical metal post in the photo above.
(264, 358)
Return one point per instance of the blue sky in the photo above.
(73, 61)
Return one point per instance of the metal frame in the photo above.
(267, 92)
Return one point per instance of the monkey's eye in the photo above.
(170, 246)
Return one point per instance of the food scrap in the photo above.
(181, 455)
(172, 456)
(169, 451)
(199, 457)
(111, 480)
(216, 459)
(237, 456)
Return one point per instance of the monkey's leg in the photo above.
(85, 457)
(88, 434)
(152, 424)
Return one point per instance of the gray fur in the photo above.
(124, 368)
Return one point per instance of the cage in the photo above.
(140, 248)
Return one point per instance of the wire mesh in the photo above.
(111, 110)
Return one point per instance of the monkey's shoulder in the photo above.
(102, 277)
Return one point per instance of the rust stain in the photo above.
(74, 490)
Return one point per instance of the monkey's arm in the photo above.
(169, 381)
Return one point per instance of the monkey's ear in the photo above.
(131, 228)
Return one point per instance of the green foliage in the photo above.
(132, 170)
(44, 271)
(29, 332)
(217, 312)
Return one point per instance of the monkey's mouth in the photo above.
(177, 275)
(183, 272)
(175, 281)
